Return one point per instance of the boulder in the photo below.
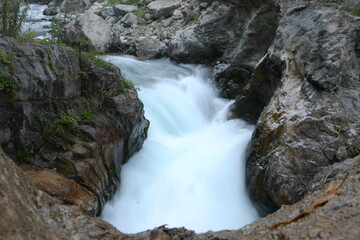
(121, 9)
(91, 27)
(73, 6)
(311, 119)
(149, 48)
(107, 12)
(129, 20)
(51, 11)
(163, 8)
(67, 114)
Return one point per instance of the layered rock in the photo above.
(311, 120)
(72, 115)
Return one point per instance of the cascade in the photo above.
(191, 170)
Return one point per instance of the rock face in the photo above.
(311, 120)
(72, 115)
(91, 27)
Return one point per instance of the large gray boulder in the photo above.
(91, 27)
(311, 119)
(163, 8)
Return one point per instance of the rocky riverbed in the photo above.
(293, 68)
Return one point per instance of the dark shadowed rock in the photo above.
(311, 121)
(51, 11)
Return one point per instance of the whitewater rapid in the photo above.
(190, 171)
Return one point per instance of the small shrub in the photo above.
(6, 83)
(124, 87)
(28, 36)
(23, 156)
(6, 59)
(87, 114)
(66, 119)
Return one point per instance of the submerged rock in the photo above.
(51, 11)
(73, 115)
(311, 120)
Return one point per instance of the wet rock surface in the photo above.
(69, 115)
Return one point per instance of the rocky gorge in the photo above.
(291, 66)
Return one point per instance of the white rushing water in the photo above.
(36, 21)
(190, 171)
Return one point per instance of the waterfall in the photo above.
(190, 171)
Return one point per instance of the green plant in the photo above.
(12, 17)
(196, 17)
(6, 83)
(140, 11)
(6, 59)
(124, 87)
(27, 36)
(67, 119)
(353, 10)
(87, 114)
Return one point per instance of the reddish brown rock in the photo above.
(67, 190)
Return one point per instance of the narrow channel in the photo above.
(190, 171)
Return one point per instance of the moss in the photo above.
(124, 87)
(23, 156)
(87, 114)
(60, 132)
